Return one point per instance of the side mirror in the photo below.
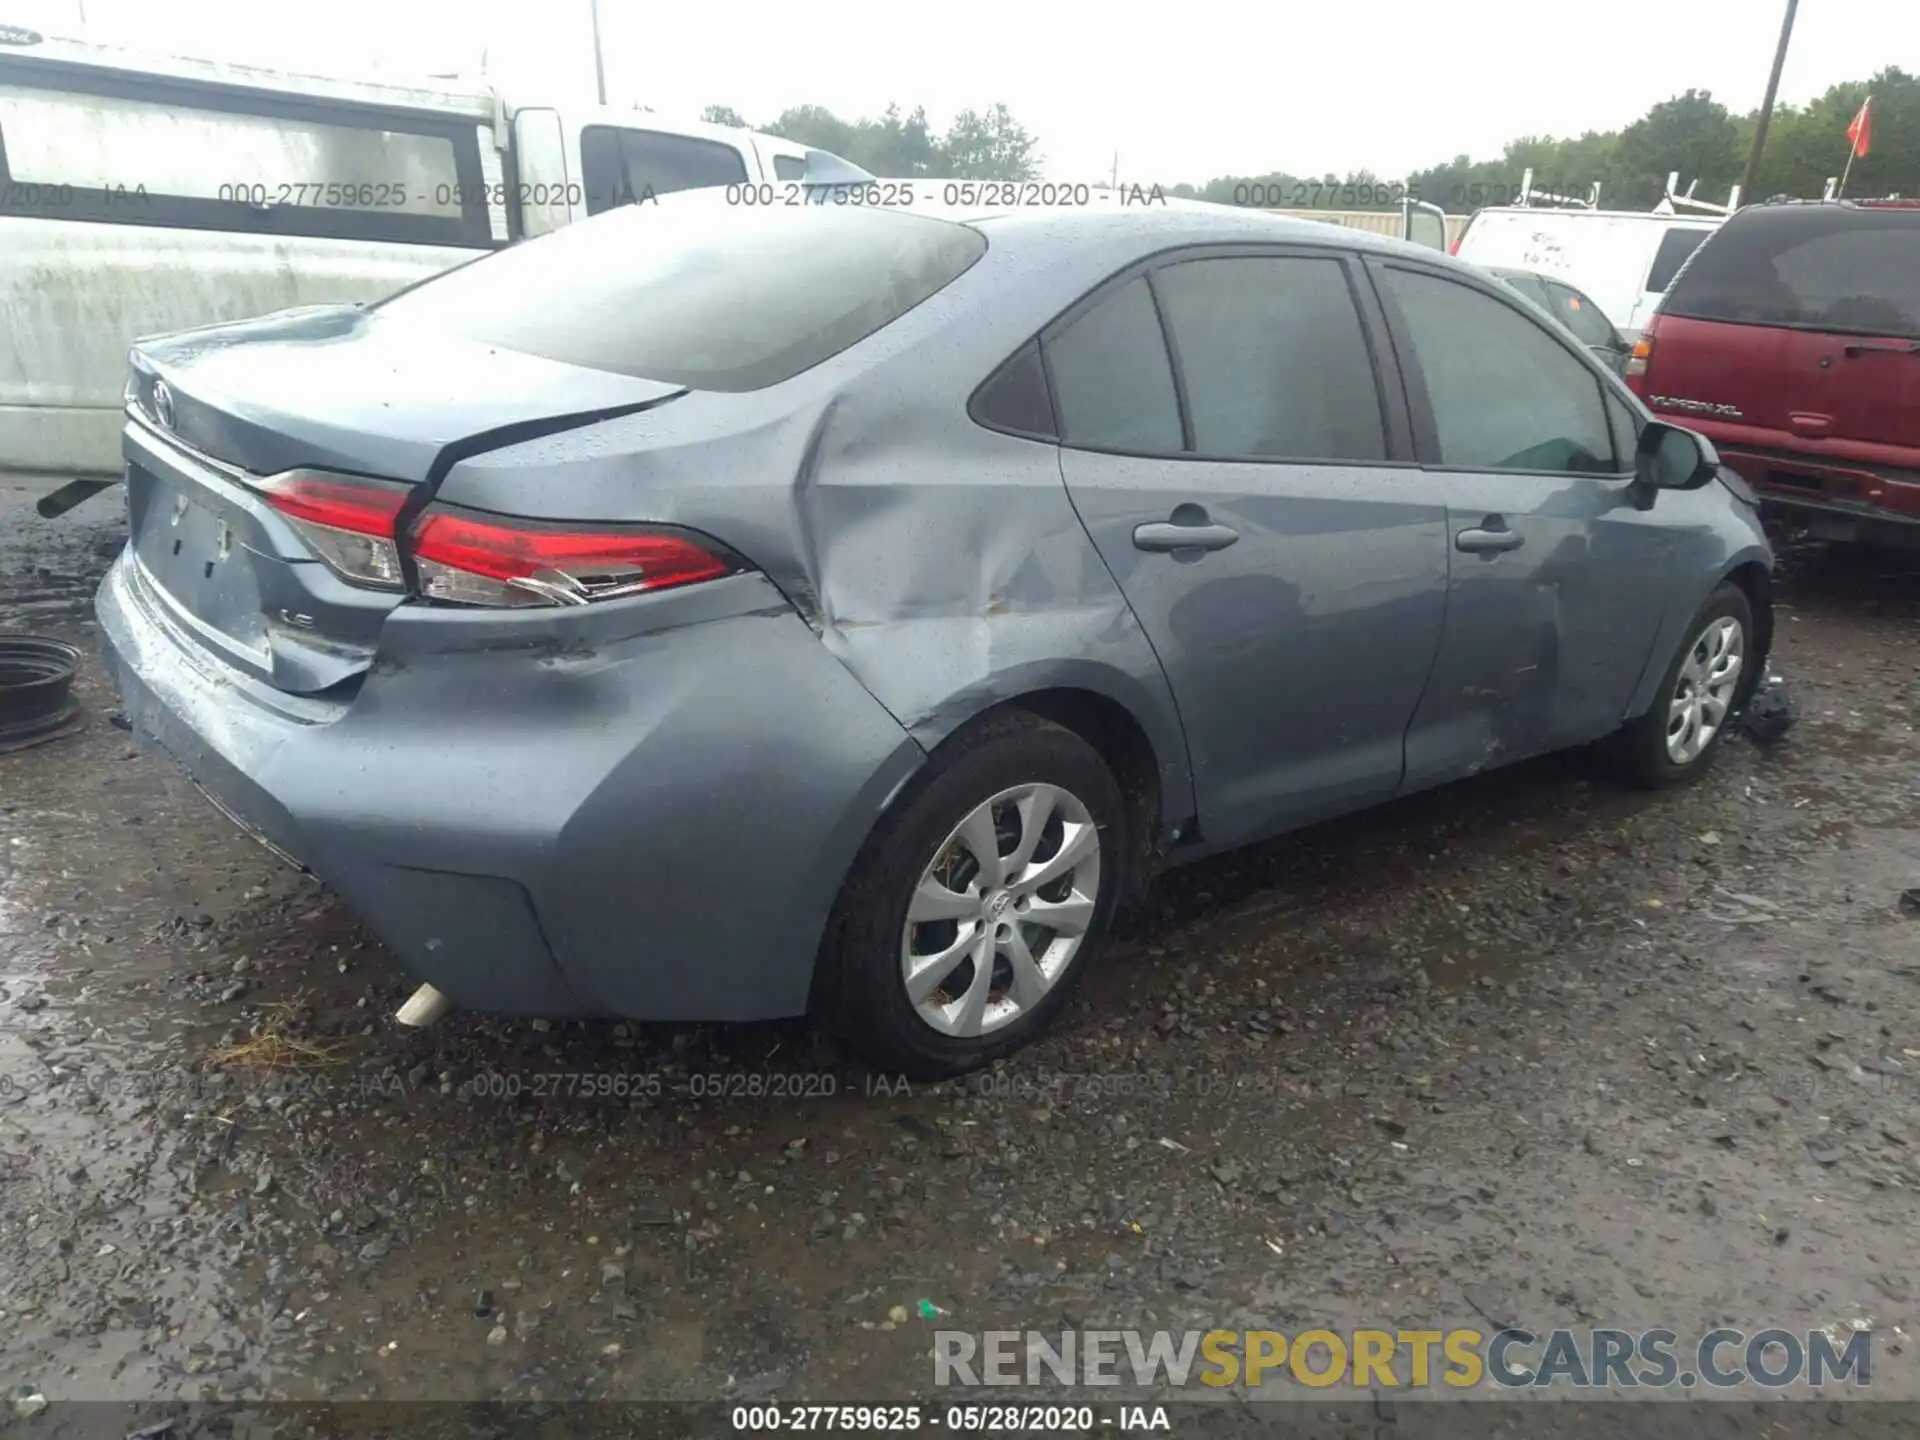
(1670, 458)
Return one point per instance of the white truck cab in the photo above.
(141, 194)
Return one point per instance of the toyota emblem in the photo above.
(163, 404)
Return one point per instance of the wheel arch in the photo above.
(1111, 728)
(1751, 571)
(1135, 732)
(1755, 580)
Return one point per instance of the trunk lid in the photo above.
(333, 389)
(340, 388)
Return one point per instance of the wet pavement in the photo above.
(1532, 1049)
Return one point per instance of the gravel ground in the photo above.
(1531, 1049)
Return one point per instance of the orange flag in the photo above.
(1860, 132)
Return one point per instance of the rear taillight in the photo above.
(474, 559)
(1641, 354)
(1453, 245)
(348, 522)
(484, 560)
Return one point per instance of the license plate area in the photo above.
(196, 557)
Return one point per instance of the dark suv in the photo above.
(1792, 339)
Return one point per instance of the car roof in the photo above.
(1108, 215)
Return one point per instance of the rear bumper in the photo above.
(1846, 523)
(594, 813)
(1874, 488)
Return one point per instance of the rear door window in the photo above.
(1675, 248)
(1830, 268)
(619, 166)
(696, 292)
(1273, 358)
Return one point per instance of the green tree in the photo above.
(990, 146)
(1807, 145)
(899, 147)
(976, 146)
(817, 126)
(724, 115)
(1691, 133)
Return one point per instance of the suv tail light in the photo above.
(475, 559)
(349, 523)
(1641, 355)
(485, 560)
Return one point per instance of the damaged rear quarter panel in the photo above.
(950, 595)
(942, 563)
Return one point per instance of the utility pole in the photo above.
(1747, 185)
(600, 65)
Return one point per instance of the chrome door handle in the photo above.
(1488, 542)
(1164, 536)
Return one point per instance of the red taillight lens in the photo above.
(348, 522)
(481, 560)
(1640, 356)
(1453, 246)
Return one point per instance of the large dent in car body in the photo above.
(946, 594)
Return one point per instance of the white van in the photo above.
(140, 195)
(1624, 259)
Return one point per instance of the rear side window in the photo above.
(1811, 267)
(789, 167)
(619, 166)
(145, 153)
(1530, 287)
(1275, 363)
(1579, 314)
(1675, 247)
(1112, 379)
(696, 292)
(1016, 397)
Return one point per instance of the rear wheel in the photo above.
(1676, 739)
(977, 902)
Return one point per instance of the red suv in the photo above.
(1791, 338)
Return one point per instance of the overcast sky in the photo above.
(1183, 92)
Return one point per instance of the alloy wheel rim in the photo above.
(1001, 910)
(1703, 693)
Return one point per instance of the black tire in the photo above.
(1640, 749)
(859, 992)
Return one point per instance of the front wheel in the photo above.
(977, 902)
(1677, 738)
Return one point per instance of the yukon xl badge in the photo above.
(1695, 407)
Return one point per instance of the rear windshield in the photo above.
(1812, 267)
(692, 291)
(1675, 247)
